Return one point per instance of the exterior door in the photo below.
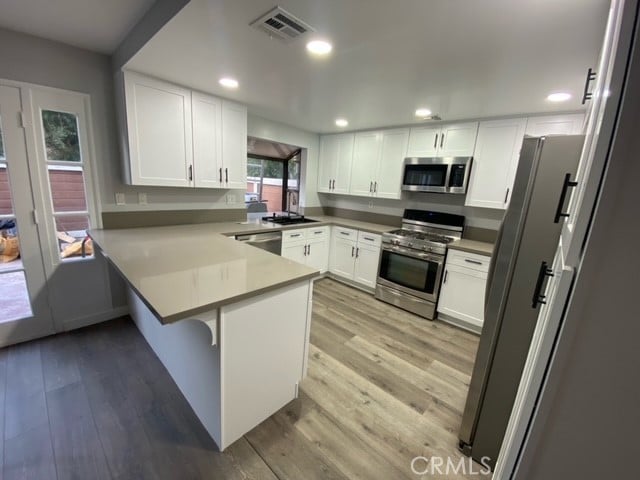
(24, 302)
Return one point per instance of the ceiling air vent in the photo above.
(281, 24)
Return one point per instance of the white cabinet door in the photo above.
(462, 294)
(423, 141)
(342, 257)
(318, 253)
(328, 159)
(234, 145)
(366, 154)
(206, 112)
(388, 180)
(458, 140)
(159, 131)
(295, 251)
(366, 266)
(342, 177)
(555, 125)
(495, 162)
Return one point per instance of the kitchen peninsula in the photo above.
(230, 322)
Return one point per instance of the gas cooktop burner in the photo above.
(429, 237)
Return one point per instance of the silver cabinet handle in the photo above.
(333, 187)
(329, 184)
(305, 250)
(472, 261)
(345, 233)
(357, 251)
(370, 187)
(220, 174)
(369, 239)
(295, 235)
(226, 175)
(190, 173)
(375, 187)
(309, 249)
(446, 272)
(506, 195)
(441, 140)
(435, 141)
(353, 250)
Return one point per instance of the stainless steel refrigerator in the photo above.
(520, 266)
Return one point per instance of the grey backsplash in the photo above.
(481, 223)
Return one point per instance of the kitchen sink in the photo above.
(288, 220)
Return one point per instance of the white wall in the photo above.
(278, 132)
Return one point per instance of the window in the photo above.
(273, 182)
(66, 172)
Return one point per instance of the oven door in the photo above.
(411, 272)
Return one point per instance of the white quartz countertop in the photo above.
(186, 270)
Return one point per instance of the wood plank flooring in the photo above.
(383, 387)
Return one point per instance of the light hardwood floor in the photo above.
(383, 387)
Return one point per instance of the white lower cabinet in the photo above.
(461, 298)
(355, 256)
(309, 246)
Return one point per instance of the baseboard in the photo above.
(351, 283)
(459, 323)
(95, 318)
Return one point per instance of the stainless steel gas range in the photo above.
(412, 260)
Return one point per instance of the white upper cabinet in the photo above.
(423, 142)
(388, 181)
(179, 138)
(158, 119)
(458, 140)
(334, 168)
(555, 125)
(234, 145)
(207, 140)
(366, 155)
(376, 170)
(495, 162)
(455, 140)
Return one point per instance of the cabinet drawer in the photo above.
(342, 232)
(367, 238)
(468, 260)
(293, 235)
(317, 232)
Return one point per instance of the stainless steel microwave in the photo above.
(436, 174)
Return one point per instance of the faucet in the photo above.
(292, 199)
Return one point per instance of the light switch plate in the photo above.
(142, 198)
(120, 199)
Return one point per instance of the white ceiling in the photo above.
(98, 25)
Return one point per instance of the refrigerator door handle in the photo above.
(538, 297)
(563, 195)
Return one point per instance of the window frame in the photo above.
(285, 173)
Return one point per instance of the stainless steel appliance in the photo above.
(437, 174)
(269, 241)
(412, 260)
(526, 244)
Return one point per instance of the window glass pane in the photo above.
(61, 136)
(71, 231)
(294, 174)
(6, 207)
(272, 185)
(67, 189)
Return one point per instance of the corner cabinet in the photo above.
(175, 137)
(309, 246)
(495, 162)
(334, 166)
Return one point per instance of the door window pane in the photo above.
(61, 136)
(6, 207)
(14, 301)
(71, 230)
(67, 189)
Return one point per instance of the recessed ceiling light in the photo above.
(319, 47)
(341, 122)
(423, 112)
(559, 97)
(228, 82)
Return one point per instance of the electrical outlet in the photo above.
(370, 204)
(142, 198)
(231, 198)
(120, 199)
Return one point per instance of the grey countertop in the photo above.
(472, 246)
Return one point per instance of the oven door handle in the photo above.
(439, 259)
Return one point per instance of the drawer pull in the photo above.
(294, 235)
(345, 233)
(476, 262)
(369, 239)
